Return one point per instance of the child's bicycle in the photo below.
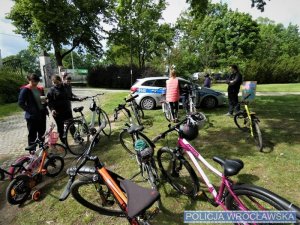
(32, 168)
(107, 193)
(176, 169)
(247, 121)
(77, 131)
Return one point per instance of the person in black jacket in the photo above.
(32, 101)
(234, 82)
(59, 104)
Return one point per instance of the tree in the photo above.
(199, 7)
(60, 24)
(138, 33)
(222, 37)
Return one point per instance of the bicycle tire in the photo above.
(257, 134)
(241, 120)
(185, 182)
(102, 116)
(167, 112)
(128, 140)
(54, 165)
(151, 170)
(57, 149)
(136, 114)
(18, 190)
(140, 111)
(77, 142)
(2, 175)
(91, 194)
(258, 198)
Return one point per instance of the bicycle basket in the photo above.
(144, 152)
(53, 138)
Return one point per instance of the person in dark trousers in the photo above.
(207, 81)
(67, 83)
(234, 82)
(33, 101)
(59, 104)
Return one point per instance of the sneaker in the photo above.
(228, 114)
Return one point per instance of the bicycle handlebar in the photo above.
(171, 128)
(93, 96)
(131, 99)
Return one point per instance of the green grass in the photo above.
(265, 87)
(277, 169)
(9, 109)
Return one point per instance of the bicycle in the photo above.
(135, 108)
(188, 101)
(77, 131)
(4, 173)
(231, 195)
(247, 121)
(166, 108)
(32, 168)
(50, 143)
(106, 192)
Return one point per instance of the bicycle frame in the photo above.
(250, 119)
(194, 155)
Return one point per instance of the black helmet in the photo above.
(189, 130)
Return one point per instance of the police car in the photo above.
(151, 91)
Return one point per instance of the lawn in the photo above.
(8, 109)
(276, 169)
(265, 87)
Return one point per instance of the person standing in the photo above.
(234, 82)
(172, 93)
(68, 86)
(33, 101)
(207, 81)
(59, 104)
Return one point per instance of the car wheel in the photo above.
(148, 103)
(209, 102)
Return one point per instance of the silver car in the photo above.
(152, 89)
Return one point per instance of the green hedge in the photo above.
(10, 83)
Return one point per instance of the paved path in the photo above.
(13, 130)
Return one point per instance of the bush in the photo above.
(10, 83)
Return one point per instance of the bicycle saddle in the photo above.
(78, 109)
(134, 128)
(139, 198)
(231, 166)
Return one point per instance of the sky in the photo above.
(280, 11)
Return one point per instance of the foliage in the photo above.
(29, 61)
(10, 83)
(60, 23)
(138, 33)
(222, 37)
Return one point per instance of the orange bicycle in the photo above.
(106, 192)
(33, 167)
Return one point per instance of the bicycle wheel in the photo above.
(136, 114)
(77, 137)
(103, 118)
(241, 120)
(128, 140)
(95, 196)
(257, 134)
(151, 171)
(178, 172)
(2, 175)
(167, 112)
(18, 190)
(140, 111)
(57, 150)
(260, 199)
(54, 166)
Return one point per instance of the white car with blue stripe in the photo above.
(151, 91)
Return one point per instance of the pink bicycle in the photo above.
(230, 196)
